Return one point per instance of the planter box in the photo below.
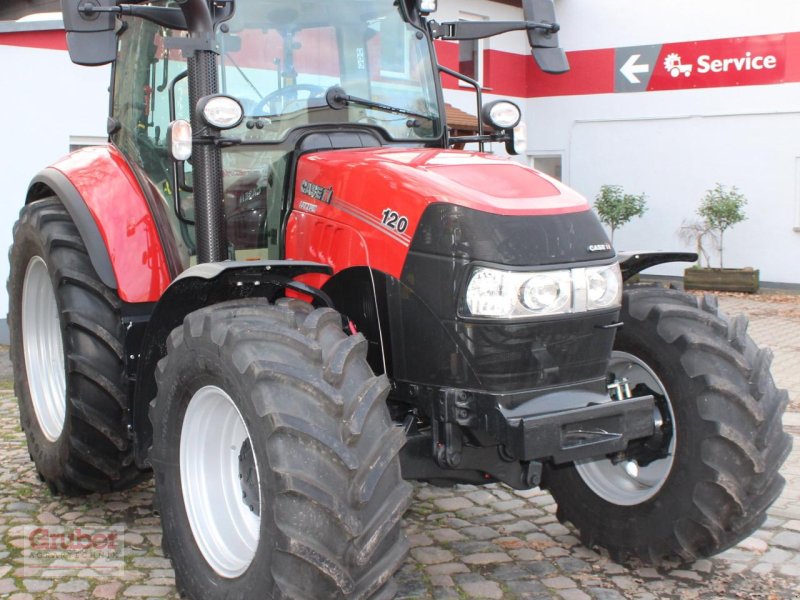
(721, 280)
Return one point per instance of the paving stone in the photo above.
(559, 583)
(599, 593)
(555, 529)
(483, 589)
(147, 591)
(442, 581)
(7, 586)
(446, 535)
(529, 590)
(482, 497)
(573, 565)
(753, 544)
(574, 594)
(452, 504)
(37, 585)
(508, 505)
(73, 587)
(419, 539)
(787, 539)
(480, 532)
(509, 572)
(486, 558)
(447, 569)
(454, 555)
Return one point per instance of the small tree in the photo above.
(615, 207)
(697, 233)
(722, 208)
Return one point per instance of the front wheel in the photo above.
(276, 463)
(705, 480)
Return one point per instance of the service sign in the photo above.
(728, 62)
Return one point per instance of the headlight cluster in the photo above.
(514, 294)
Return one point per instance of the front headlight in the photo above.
(603, 287)
(513, 294)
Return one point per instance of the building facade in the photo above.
(665, 99)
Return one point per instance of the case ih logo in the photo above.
(317, 192)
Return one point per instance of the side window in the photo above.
(470, 52)
(145, 76)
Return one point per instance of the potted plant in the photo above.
(615, 208)
(720, 209)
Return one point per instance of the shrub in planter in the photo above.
(720, 209)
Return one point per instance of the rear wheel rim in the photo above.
(224, 526)
(43, 348)
(626, 483)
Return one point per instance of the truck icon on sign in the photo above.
(672, 63)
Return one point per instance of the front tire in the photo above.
(67, 346)
(723, 442)
(276, 463)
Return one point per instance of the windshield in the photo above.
(280, 58)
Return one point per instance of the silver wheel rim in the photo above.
(626, 483)
(223, 525)
(43, 348)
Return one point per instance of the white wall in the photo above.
(674, 145)
(614, 23)
(46, 99)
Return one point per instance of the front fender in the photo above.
(197, 287)
(632, 263)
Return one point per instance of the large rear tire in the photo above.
(723, 442)
(276, 462)
(67, 349)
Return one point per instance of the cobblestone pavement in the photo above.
(467, 542)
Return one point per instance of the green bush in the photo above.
(615, 208)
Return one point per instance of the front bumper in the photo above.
(499, 436)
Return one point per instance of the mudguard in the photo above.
(104, 198)
(199, 286)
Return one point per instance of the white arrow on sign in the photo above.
(630, 69)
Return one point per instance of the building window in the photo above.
(548, 164)
(470, 52)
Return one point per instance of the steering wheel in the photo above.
(288, 95)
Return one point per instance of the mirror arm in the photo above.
(171, 18)
(475, 30)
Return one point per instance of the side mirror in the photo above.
(544, 43)
(91, 36)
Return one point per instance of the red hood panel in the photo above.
(362, 207)
(477, 181)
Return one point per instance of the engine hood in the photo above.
(412, 178)
(364, 207)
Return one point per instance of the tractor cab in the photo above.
(280, 63)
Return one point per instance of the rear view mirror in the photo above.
(91, 36)
(544, 43)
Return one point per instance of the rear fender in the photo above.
(198, 287)
(106, 202)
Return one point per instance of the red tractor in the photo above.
(278, 291)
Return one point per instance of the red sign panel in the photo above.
(729, 62)
(720, 63)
